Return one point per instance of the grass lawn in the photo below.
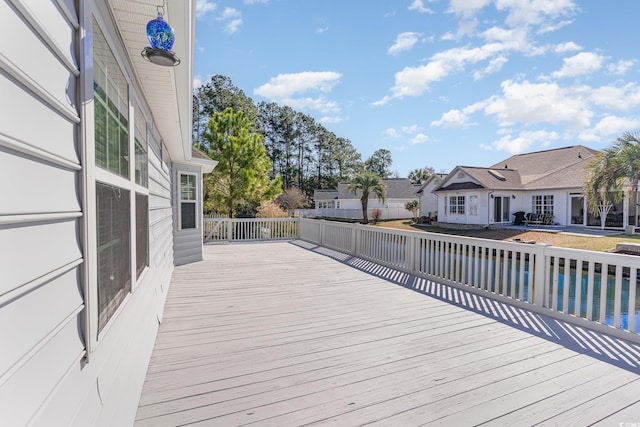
(592, 243)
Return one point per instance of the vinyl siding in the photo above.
(44, 379)
(40, 213)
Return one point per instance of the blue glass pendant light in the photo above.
(161, 38)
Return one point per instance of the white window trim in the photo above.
(94, 174)
(180, 200)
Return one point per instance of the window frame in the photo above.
(194, 201)
(456, 205)
(473, 204)
(92, 17)
(542, 204)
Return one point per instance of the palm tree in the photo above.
(367, 182)
(610, 171)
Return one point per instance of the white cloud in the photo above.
(285, 85)
(404, 41)
(494, 66)
(232, 19)
(580, 64)
(203, 7)
(410, 130)
(288, 88)
(553, 26)
(522, 142)
(419, 139)
(529, 103)
(610, 127)
(467, 8)
(392, 133)
(621, 98)
(256, 1)
(417, 5)
(535, 12)
(413, 81)
(331, 119)
(567, 47)
(621, 67)
(451, 119)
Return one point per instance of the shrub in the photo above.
(270, 209)
(376, 215)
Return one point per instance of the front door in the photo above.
(501, 209)
(577, 209)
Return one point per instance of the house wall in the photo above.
(187, 244)
(428, 200)
(521, 202)
(482, 216)
(53, 369)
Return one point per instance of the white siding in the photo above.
(44, 379)
(41, 303)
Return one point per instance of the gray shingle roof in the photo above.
(557, 168)
(325, 194)
(540, 164)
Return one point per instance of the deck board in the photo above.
(284, 333)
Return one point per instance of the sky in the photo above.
(438, 83)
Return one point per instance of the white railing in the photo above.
(244, 229)
(385, 213)
(594, 289)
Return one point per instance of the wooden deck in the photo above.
(286, 333)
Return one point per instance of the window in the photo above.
(111, 109)
(542, 204)
(122, 197)
(456, 204)
(142, 233)
(473, 205)
(188, 191)
(141, 148)
(114, 268)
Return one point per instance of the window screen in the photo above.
(142, 233)
(114, 258)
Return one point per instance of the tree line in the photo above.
(301, 153)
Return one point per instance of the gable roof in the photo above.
(325, 194)
(540, 164)
(396, 188)
(434, 178)
(556, 168)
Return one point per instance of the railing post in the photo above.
(354, 242)
(229, 229)
(410, 253)
(540, 275)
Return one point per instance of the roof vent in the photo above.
(497, 175)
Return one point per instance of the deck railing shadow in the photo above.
(603, 347)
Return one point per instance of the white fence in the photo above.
(243, 229)
(594, 289)
(386, 213)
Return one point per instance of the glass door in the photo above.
(501, 209)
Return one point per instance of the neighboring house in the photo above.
(428, 199)
(345, 203)
(543, 182)
(101, 196)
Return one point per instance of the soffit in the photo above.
(167, 90)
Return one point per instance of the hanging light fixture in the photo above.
(161, 38)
